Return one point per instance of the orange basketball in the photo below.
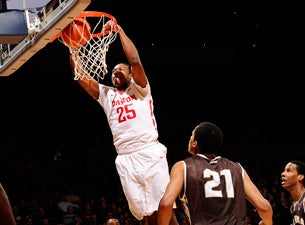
(77, 33)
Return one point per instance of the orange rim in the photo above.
(85, 14)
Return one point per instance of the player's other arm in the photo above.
(262, 205)
(6, 212)
(89, 84)
(133, 58)
(172, 191)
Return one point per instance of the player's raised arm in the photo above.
(133, 58)
(90, 85)
(254, 196)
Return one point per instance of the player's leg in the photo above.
(131, 183)
(156, 180)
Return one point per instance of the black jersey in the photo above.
(213, 191)
(298, 211)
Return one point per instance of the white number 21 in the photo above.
(209, 185)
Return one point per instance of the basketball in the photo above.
(76, 34)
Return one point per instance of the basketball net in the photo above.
(90, 59)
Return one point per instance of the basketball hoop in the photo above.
(90, 58)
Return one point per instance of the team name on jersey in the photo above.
(123, 100)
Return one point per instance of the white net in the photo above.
(90, 58)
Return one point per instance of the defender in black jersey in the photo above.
(213, 189)
(293, 181)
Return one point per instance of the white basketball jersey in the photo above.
(130, 116)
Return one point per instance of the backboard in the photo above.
(19, 45)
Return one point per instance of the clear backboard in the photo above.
(26, 27)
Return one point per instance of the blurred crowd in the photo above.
(81, 186)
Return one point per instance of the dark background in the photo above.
(239, 65)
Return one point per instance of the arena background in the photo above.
(237, 64)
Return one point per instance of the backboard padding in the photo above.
(57, 19)
(13, 27)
